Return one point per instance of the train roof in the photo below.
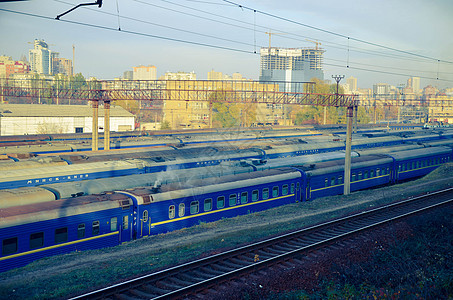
(30, 213)
(215, 184)
(66, 170)
(420, 153)
(338, 165)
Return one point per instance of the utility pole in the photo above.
(347, 159)
(73, 59)
(106, 124)
(337, 79)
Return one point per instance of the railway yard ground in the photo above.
(74, 273)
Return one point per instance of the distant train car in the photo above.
(38, 176)
(419, 162)
(24, 196)
(32, 163)
(327, 178)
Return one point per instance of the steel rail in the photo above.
(318, 239)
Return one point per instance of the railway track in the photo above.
(208, 273)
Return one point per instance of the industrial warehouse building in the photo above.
(21, 119)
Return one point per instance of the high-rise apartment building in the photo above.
(290, 66)
(41, 58)
(62, 66)
(144, 73)
(129, 75)
(416, 85)
(352, 81)
(381, 90)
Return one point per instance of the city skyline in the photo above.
(106, 54)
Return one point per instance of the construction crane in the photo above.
(271, 33)
(316, 42)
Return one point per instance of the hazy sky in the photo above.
(150, 28)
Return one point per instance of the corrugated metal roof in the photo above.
(46, 110)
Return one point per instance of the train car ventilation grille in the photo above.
(125, 204)
(147, 199)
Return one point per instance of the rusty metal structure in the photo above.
(170, 90)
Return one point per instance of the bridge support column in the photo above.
(347, 160)
(106, 124)
(94, 135)
(355, 119)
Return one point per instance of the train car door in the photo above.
(308, 190)
(125, 228)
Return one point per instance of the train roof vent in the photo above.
(147, 199)
(158, 159)
(125, 204)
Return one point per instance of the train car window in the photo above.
(125, 222)
(81, 231)
(220, 202)
(413, 165)
(36, 240)
(194, 207)
(182, 210)
(326, 182)
(207, 204)
(378, 172)
(232, 200)
(418, 164)
(61, 235)
(353, 177)
(145, 216)
(292, 188)
(365, 174)
(171, 212)
(340, 179)
(9, 246)
(360, 176)
(113, 224)
(265, 193)
(244, 197)
(255, 195)
(298, 186)
(96, 226)
(372, 173)
(275, 191)
(332, 181)
(400, 168)
(285, 189)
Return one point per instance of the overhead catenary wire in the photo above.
(335, 33)
(163, 26)
(252, 27)
(128, 31)
(288, 35)
(195, 43)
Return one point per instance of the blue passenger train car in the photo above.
(185, 204)
(33, 231)
(327, 178)
(419, 162)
